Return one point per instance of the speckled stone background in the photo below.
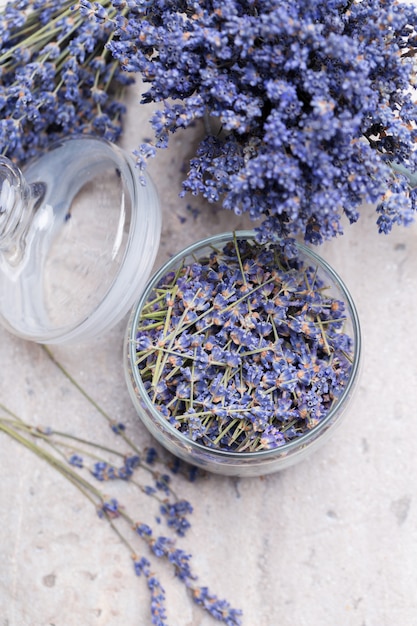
(332, 540)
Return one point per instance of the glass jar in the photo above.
(79, 235)
(164, 427)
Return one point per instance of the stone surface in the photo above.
(332, 540)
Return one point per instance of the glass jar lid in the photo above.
(79, 235)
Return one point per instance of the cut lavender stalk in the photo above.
(57, 449)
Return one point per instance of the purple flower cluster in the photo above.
(220, 609)
(106, 471)
(175, 511)
(176, 515)
(57, 78)
(76, 461)
(143, 567)
(308, 102)
(244, 349)
(109, 508)
(163, 547)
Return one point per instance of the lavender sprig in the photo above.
(38, 440)
(311, 104)
(88, 455)
(243, 349)
(80, 460)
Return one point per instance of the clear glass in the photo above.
(78, 238)
(238, 463)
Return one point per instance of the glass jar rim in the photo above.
(289, 446)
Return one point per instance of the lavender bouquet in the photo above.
(310, 106)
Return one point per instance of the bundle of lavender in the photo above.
(57, 77)
(90, 467)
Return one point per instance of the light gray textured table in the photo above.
(332, 540)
